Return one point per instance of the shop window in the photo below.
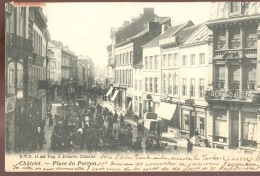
(185, 122)
(221, 127)
(202, 126)
(251, 37)
(220, 39)
(234, 77)
(249, 137)
(234, 38)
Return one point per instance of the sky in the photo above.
(85, 27)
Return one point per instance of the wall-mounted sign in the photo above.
(232, 94)
(10, 104)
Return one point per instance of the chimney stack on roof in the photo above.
(148, 11)
(126, 23)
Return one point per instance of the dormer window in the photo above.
(235, 8)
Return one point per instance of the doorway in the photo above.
(192, 123)
(234, 129)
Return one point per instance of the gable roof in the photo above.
(169, 33)
(200, 35)
(184, 34)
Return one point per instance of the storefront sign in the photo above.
(233, 94)
(10, 104)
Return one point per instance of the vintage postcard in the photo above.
(132, 87)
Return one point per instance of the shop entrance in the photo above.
(192, 123)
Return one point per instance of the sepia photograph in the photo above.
(132, 87)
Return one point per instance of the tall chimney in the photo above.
(148, 11)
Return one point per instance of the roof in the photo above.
(184, 34)
(200, 35)
(169, 33)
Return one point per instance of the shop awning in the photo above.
(114, 96)
(109, 91)
(166, 110)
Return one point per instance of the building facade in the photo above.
(54, 49)
(89, 70)
(69, 64)
(127, 42)
(234, 77)
(26, 74)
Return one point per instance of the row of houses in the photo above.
(37, 70)
(203, 77)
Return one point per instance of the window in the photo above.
(135, 84)
(184, 87)
(146, 63)
(136, 104)
(164, 60)
(169, 84)
(175, 59)
(220, 128)
(234, 71)
(120, 56)
(249, 125)
(235, 7)
(151, 63)
(131, 77)
(156, 85)
(250, 76)
(192, 59)
(185, 122)
(146, 84)
(127, 58)
(192, 87)
(202, 58)
(164, 83)
(156, 62)
(220, 84)
(184, 60)
(127, 77)
(251, 36)
(131, 57)
(151, 84)
(221, 39)
(169, 60)
(234, 38)
(140, 85)
(201, 88)
(175, 86)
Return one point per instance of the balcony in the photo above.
(236, 53)
(16, 42)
